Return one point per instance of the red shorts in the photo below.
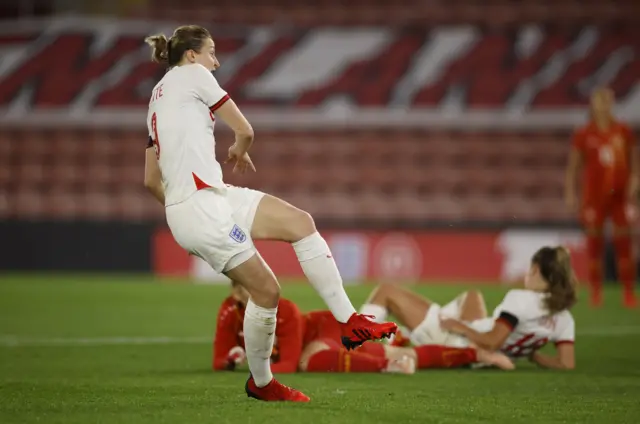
(322, 325)
(594, 212)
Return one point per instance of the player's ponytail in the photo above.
(160, 48)
(170, 51)
(555, 267)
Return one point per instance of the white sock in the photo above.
(321, 271)
(379, 312)
(259, 329)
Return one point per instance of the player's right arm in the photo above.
(225, 339)
(574, 165)
(152, 175)
(512, 311)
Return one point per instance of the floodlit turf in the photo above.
(130, 350)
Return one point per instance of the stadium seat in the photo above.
(336, 175)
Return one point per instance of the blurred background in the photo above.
(428, 138)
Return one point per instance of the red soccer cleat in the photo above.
(274, 392)
(360, 328)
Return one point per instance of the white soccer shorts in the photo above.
(215, 225)
(429, 332)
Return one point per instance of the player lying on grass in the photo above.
(218, 223)
(311, 342)
(525, 321)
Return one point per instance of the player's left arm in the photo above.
(564, 359)
(152, 175)
(634, 165)
(491, 340)
(219, 102)
(290, 336)
(564, 336)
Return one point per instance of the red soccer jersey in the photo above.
(321, 325)
(607, 159)
(289, 335)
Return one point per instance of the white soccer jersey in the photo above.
(532, 326)
(181, 123)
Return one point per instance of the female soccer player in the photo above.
(524, 321)
(606, 149)
(311, 343)
(218, 223)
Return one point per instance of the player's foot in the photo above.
(630, 301)
(404, 365)
(360, 328)
(495, 359)
(400, 340)
(274, 392)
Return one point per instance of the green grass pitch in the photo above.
(135, 350)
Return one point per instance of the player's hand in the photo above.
(240, 158)
(452, 325)
(235, 357)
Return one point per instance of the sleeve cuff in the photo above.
(508, 319)
(560, 342)
(219, 103)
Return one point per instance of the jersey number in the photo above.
(154, 129)
(606, 155)
(525, 346)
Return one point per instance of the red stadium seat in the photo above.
(388, 176)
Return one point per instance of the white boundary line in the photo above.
(14, 341)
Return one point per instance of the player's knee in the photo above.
(301, 225)
(310, 349)
(474, 295)
(385, 290)
(265, 291)
(266, 295)
(380, 293)
(272, 291)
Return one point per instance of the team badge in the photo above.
(237, 234)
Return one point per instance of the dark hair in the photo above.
(170, 52)
(555, 267)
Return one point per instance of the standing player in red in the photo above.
(605, 151)
(218, 223)
(311, 343)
